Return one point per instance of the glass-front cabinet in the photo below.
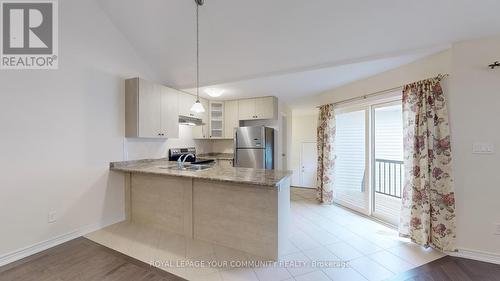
(216, 119)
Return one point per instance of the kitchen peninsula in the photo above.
(242, 208)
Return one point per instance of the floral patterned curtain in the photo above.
(326, 157)
(428, 202)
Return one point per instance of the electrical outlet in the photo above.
(496, 231)
(51, 218)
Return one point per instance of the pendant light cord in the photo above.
(197, 54)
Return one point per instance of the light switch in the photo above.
(483, 148)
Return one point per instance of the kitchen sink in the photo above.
(197, 167)
(187, 167)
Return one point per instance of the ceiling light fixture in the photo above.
(214, 92)
(197, 106)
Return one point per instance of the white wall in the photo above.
(61, 128)
(473, 101)
(422, 69)
(304, 127)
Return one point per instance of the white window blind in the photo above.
(350, 150)
(389, 133)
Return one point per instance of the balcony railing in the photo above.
(389, 177)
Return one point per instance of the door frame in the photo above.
(301, 162)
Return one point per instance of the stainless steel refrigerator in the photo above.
(254, 147)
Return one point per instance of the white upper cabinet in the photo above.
(266, 108)
(216, 115)
(151, 110)
(231, 118)
(170, 112)
(258, 108)
(246, 109)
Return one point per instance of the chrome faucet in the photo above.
(180, 161)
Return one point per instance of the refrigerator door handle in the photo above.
(235, 142)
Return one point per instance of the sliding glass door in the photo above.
(368, 174)
(351, 177)
(387, 161)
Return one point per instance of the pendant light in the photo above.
(197, 106)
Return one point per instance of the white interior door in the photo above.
(351, 169)
(308, 164)
(284, 143)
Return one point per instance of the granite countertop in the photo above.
(260, 177)
(216, 156)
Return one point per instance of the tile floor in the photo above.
(326, 243)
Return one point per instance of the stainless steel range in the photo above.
(187, 160)
(175, 153)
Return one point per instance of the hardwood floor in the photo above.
(82, 260)
(452, 269)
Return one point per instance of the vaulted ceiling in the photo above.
(293, 48)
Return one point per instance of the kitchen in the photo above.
(210, 132)
(167, 135)
(234, 198)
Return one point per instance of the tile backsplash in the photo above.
(222, 146)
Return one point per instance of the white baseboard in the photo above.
(44, 245)
(476, 255)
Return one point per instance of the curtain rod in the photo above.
(364, 97)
